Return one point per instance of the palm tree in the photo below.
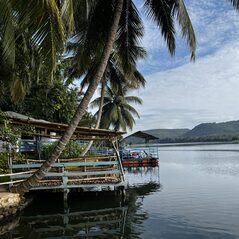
(26, 185)
(163, 13)
(114, 76)
(117, 110)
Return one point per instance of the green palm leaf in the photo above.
(130, 32)
(235, 3)
(160, 12)
(7, 33)
(187, 29)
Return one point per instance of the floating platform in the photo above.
(142, 162)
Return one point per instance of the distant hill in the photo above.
(163, 135)
(167, 133)
(206, 132)
(214, 129)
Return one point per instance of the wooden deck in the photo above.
(97, 172)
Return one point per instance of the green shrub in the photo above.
(72, 150)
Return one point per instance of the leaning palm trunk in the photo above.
(97, 125)
(46, 166)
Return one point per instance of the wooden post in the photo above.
(10, 168)
(115, 143)
(65, 181)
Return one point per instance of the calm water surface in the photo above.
(193, 194)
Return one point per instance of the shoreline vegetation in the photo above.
(206, 132)
(179, 144)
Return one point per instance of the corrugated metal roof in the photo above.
(143, 135)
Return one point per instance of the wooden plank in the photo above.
(89, 179)
(62, 127)
(70, 174)
(5, 183)
(109, 157)
(120, 184)
(11, 174)
(70, 164)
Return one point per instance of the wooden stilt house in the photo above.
(101, 169)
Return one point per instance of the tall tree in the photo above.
(117, 110)
(26, 185)
(115, 77)
(162, 12)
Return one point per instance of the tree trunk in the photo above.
(26, 185)
(97, 125)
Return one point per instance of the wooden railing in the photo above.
(89, 172)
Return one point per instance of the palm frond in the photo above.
(129, 35)
(91, 33)
(136, 80)
(128, 119)
(133, 99)
(160, 12)
(67, 13)
(131, 110)
(96, 102)
(187, 28)
(17, 90)
(8, 27)
(43, 21)
(235, 4)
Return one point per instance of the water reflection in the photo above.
(91, 216)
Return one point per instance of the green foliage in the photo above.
(4, 162)
(117, 110)
(72, 150)
(10, 134)
(40, 23)
(53, 101)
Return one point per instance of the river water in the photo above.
(193, 194)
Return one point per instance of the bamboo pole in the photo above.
(12, 174)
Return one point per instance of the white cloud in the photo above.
(215, 23)
(204, 91)
(192, 93)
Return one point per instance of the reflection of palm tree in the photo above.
(136, 215)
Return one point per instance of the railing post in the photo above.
(114, 143)
(10, 169)
(65, 181)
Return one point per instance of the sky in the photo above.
(180, 93)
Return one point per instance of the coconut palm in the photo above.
(26, 185)
(117, 110)
(163, 13)
(114, 76)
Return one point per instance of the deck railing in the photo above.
(83, 172)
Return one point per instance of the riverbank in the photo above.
(179, 144)
(10, 204)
